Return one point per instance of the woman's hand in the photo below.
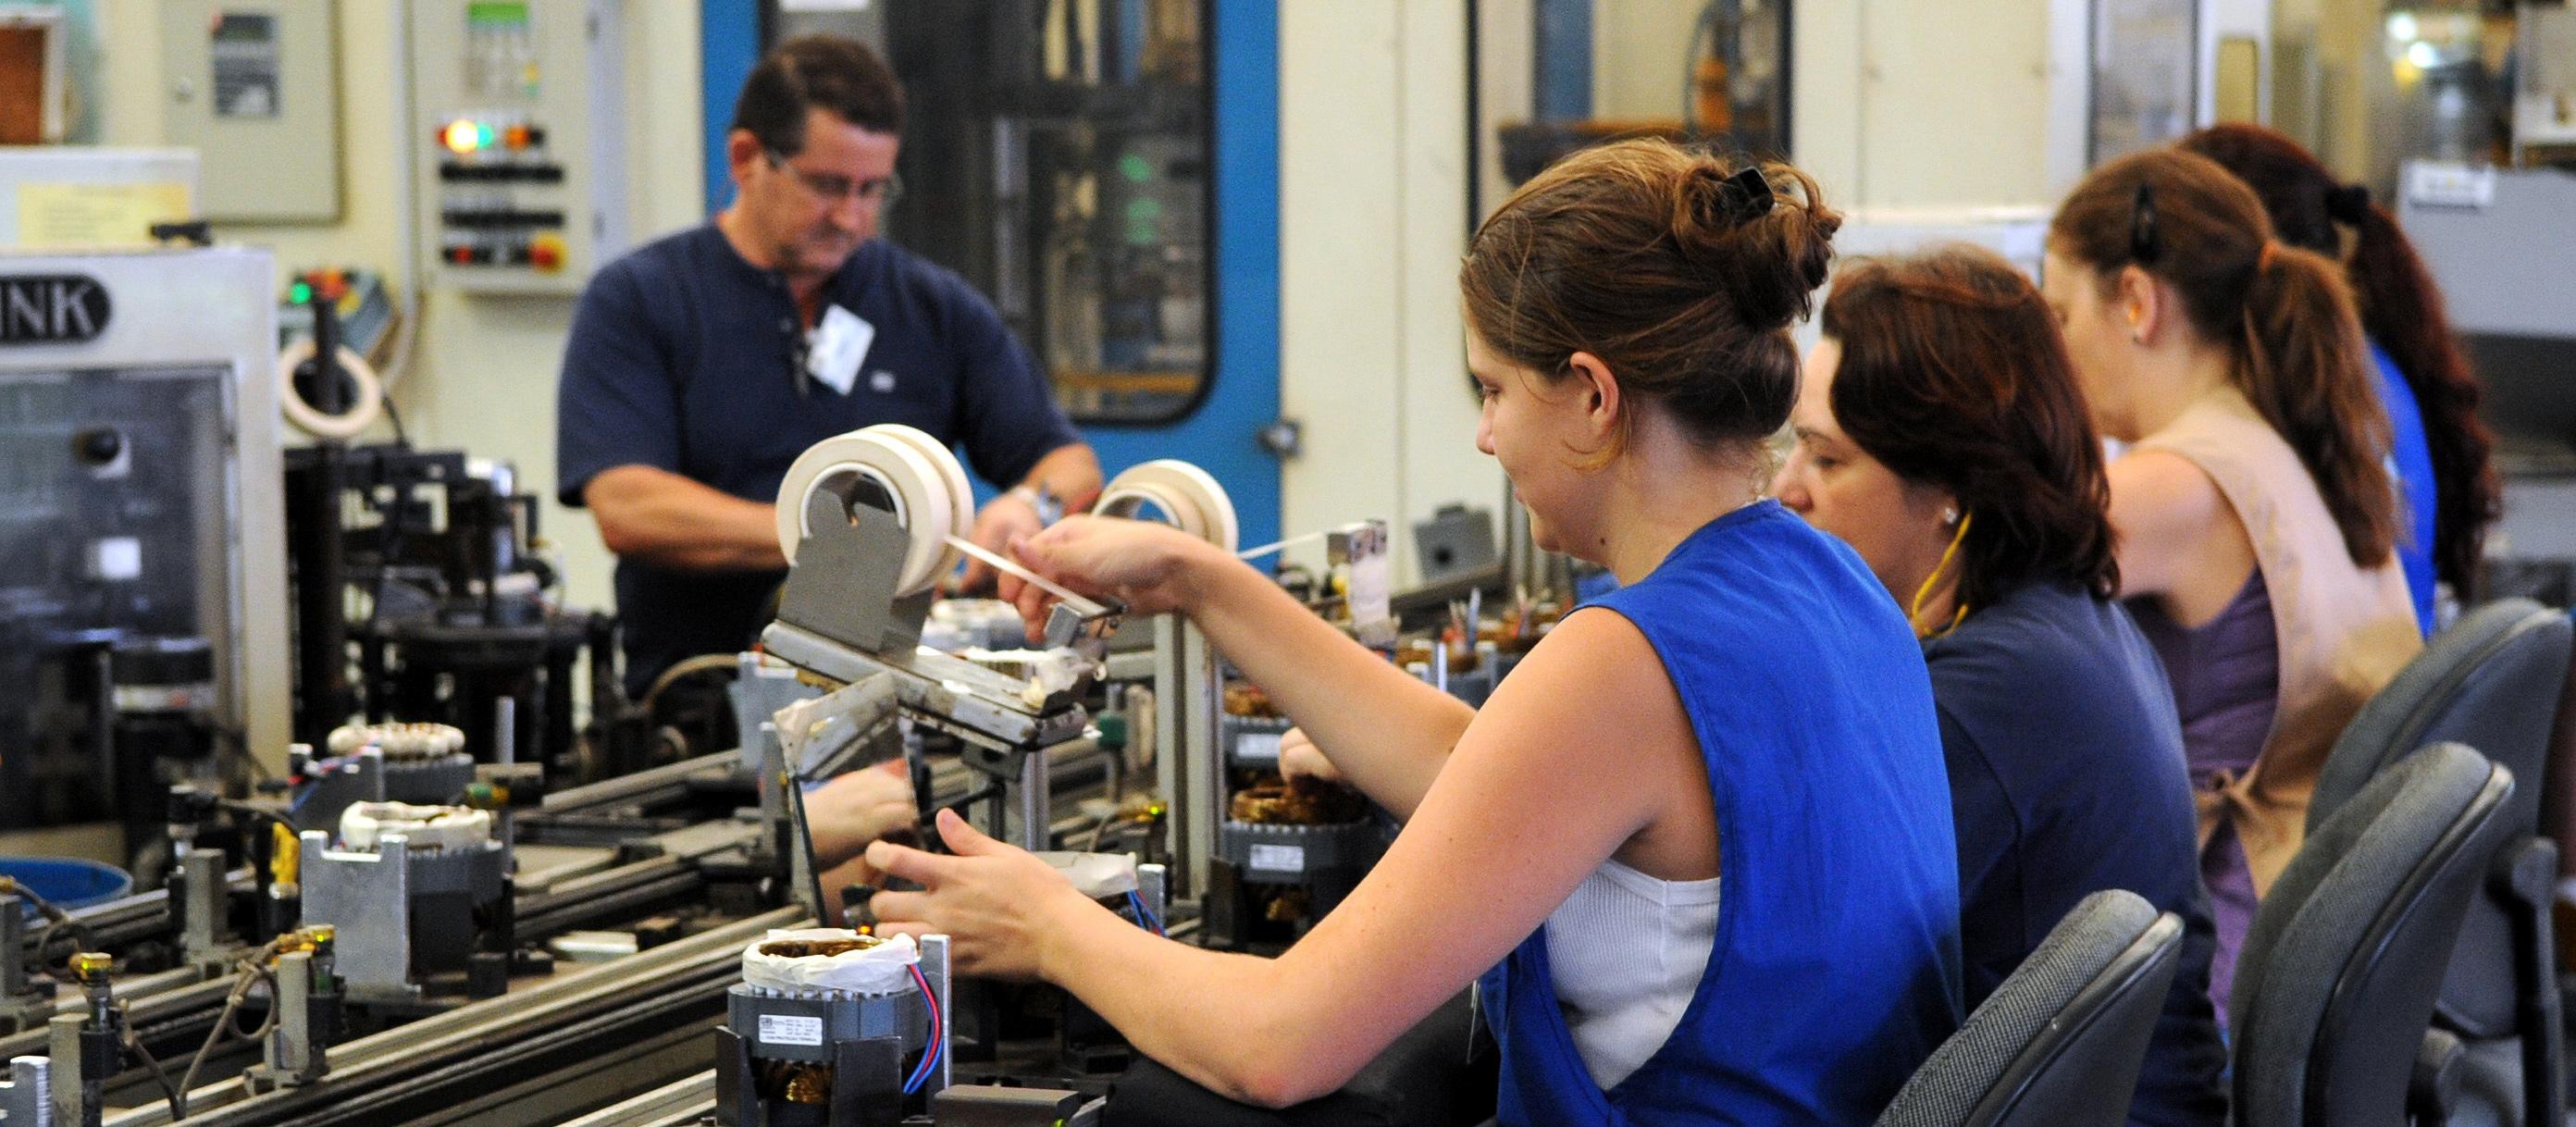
(859, 807)
(998, 905)
(1299, 758)
(1150, 567)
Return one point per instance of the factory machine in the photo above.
(401, 930)
(139, 532)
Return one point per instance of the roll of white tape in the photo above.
(1191, 500)
(347, 424)
(922, 478)
(961, 495)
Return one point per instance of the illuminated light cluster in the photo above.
(463, 136)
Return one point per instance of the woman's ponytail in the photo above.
(2309, 373)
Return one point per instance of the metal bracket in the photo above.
(296, 1053)
(26, 1097)
(204, 907)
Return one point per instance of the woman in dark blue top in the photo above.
(1941, 432)
(1700, 838)
(2441, 451)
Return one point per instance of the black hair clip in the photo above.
(2143, 245)
(1748, 195)
(2348, 204)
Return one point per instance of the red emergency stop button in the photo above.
(546, 252)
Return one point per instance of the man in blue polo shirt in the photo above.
(701, 365)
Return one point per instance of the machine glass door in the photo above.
(114, 558)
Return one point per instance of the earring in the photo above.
(1949, 514)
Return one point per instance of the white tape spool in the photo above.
(1191, 500)
(923, 479)
(961, 495)
(347, 424)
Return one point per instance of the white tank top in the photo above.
(1626, 951)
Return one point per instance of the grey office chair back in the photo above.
(2060, 1042)
(2492, 681)
(2335, 982)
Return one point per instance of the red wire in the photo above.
(937, 1030)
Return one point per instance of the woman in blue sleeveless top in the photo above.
(1697, 847)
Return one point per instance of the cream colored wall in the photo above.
(484, 375)
(1637, 57)
(1372, 184)
(1929, 103)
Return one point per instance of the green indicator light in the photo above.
(1135, 168)
(299, 293)
(482, 135)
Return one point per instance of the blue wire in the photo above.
(1144, 919)
(938, 1047)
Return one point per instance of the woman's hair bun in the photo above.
(1759, 233)
(1680, 269)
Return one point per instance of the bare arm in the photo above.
(1070, 474)
(671, 521)
(2178, 539)
(1388, 733)
(1525, 811)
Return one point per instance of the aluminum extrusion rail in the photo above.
(489, 1035)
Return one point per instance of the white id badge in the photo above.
(837, 347)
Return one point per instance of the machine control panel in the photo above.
(517, 102)
(495, 176)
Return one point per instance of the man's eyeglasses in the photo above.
(877, 193)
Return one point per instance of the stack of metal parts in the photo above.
(407, 913)
(420, 764)
(1287, 852)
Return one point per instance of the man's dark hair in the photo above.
(838, 74)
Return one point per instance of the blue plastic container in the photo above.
(68, 882)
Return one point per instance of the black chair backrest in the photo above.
(2060, 1041)
(2492, 681)
(2335, 983)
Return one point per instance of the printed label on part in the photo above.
(1262, 747)
(1279, 858)
(783, 1029)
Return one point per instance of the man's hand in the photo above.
(1299, 758)
(1005, 518)
(856, 809)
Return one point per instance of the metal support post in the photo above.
(934, 968)
(26, 1098)
(1034, 810)
(204, 936)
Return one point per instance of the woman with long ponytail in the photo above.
(2256, 517)
(2442, 450)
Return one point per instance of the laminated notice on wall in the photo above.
(96, 215)
(248, 64)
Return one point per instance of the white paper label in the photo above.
(2432, 184)
(1257, 746)
(782, 1029)
(1279, 858)
(1370, 586)
(837, 347)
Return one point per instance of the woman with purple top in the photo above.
(2445, 473)
(2256, 516)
